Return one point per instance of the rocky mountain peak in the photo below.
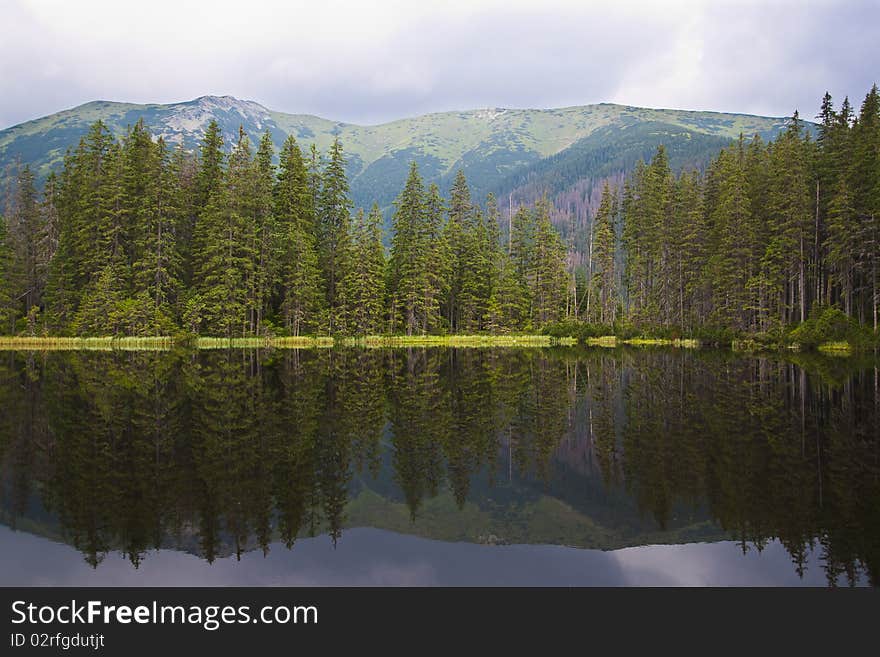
(191, 119)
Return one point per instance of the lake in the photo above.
(554, 466)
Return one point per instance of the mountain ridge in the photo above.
(463, 110)
(501, 150)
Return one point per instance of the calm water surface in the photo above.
(439, 466)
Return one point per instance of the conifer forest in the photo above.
(131, 237)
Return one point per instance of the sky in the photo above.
(375, 61)
(373, 557)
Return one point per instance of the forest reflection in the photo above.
(225, 451)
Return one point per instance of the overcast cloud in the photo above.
(369, 62)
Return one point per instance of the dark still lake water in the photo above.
(439, 466)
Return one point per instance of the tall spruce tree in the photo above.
(438, 266)
(47, 245)
(81, 204)
(26, 227)
(211, 162)
(7, 312)
(301, 287)
(106, 265)
(185, 167)
(407, 268)
(864, 177)
(334, 226)
(224, 256)
(508, 308)
(263, 233)
(549, 281)
(689, 238)
(363, 288)
(156, 266)
(604, 278)
(731, 267)
(457, 236)
(523, 257)
(634, 237)
(842, 244)
(471, 259)
(790, 207)
(658, 210)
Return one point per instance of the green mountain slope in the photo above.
(499, 149)
(578, 512)
(615, 148)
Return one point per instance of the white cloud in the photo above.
(372, 61)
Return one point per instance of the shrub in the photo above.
(826, 324)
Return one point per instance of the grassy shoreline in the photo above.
(166, 343)
(611, 341)
(159, 343)
(465, 341)
(300, 342)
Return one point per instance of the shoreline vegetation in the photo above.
(610, 341)
(165, 343)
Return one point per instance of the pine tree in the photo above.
(604, 279)
(224, 256)
(492, 246)
(760, 286)
(456, 234)
(508, 307)
(842, 243)
(730, 267)
(790, 207)
(103, 310)
(437, 262)
(634, 237)
(211, 162)
(7, 313)
(263, 232)
(315, 169)
(62, 270)
(468, 237)
(87, 197)
(303, 304)
(658, 215)
(156, 266)
(864, 183)
(139, 172)
(689, 238)
(865, 162)
(407, 266)
(523, 258)
(549, 281)
(47, 245)
(184, 166)
(363, 288)
(334, 226)
(26, 227)
(106, 265)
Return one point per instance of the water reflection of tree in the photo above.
(771, 451)
(23, 432)
(420, 422)
(225, 451)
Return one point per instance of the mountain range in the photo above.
(517, 154)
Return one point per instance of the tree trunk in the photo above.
(802, 282)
